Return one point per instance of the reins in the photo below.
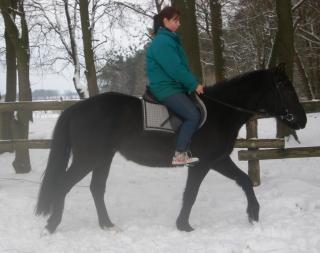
(237, 108)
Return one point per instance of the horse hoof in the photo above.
(252, 221)
(184, 227)
(114, 229)
(253, 213)
(45, 232)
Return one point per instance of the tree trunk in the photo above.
(216, 24)
(90, 71)
(273, 60)
(285, 50)
(158, 5)
(20, 39)
(189, 34)
(317, 70)
(285, 29)
(21, 125)
(311, 72)
(305, 80)
(74, 50)
(11, 87)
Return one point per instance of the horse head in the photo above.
(282, 100)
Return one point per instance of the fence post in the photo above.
(253, 165)
(1, 124)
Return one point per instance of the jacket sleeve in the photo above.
(166, 56)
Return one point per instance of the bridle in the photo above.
(285, 116)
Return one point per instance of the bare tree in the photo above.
(285, 33)
(217, 43)
(307, 42)
(284, 45)
(51, 13)
(11, 79)
(159, 4)
(189, 34)
(90, 71)
(304, 78)
(136, 8)
(18, 34)
(74, 48)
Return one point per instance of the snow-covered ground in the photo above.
(144, 202)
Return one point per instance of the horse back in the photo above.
(99, 121)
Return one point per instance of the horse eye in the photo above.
(279, 84)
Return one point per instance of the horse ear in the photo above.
(281, 67)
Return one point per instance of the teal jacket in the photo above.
(167, 67)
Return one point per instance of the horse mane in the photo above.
(241, 83)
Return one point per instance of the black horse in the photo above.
(94, 129)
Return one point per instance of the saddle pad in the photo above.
(156, 117)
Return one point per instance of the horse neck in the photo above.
(243, 91)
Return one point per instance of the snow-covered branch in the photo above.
(297, 5)
(135, 8)
(309, 36)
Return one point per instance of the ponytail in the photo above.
(157, 22)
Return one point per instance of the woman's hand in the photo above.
(200, 89)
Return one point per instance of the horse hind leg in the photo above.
(227, 168)
(97, 187)
(73, 175)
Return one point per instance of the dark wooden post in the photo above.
(253, 165)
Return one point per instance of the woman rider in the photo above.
(171, 80)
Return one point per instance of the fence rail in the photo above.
(258, 149)
(247, 155)
(8, 145)
(309, 106)
(36, 105)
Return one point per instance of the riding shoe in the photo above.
(183, 158)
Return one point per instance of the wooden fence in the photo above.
(7, 145)
(254, 155)
(257, 149)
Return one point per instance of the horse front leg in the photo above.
(229, 169)
(196, 174)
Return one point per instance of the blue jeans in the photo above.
(185, 108)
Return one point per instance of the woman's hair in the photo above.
(167, 12)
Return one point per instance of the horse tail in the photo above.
(56, 166)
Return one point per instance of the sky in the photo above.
(63, 80)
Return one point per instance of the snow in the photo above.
(144, 202)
